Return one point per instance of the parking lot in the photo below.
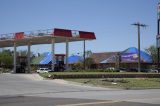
(31, 90)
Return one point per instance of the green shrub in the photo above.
(110, 75)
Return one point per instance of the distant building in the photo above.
(100, 57)
(129, 55)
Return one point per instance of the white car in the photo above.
(43, 70)
(153, 71)
(110, 68)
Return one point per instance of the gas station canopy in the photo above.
(44, 37)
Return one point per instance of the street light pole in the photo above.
(139, 54)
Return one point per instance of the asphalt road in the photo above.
(28, 90)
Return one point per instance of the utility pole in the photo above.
(139, 25)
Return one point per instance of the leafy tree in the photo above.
(6, 58)
(152, 50)
(89, 61)
(88, 53)
(77, 66)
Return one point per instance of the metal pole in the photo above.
(139, 55)
(157, 45)
(84, 55)
(67, 52)
(15, 57)
(53, 53)
(28, 57)
(158, 58)
(118, 55)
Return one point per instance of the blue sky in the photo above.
(110, 20)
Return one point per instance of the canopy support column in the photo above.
(28, 57)
(53, 53)
(67, 52)
(15, 58)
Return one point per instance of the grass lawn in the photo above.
(124, 83)
(78, 73)
(45, 75)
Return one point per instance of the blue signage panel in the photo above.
(129, 57)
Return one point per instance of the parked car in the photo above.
(110, 68)
(153, 71)
(43, 70)
(122, 69)
(144, 70)
(133, 69)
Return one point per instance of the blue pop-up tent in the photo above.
(131, 55)
(74, 59)
(47, 58)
